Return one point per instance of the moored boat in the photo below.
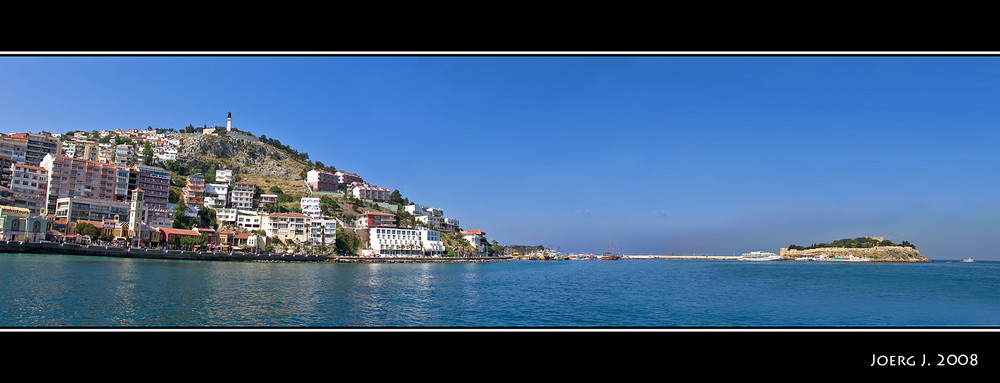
(760, 256)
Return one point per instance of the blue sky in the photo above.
(659, 154)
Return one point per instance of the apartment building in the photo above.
(13, 148)
(75, 209)
(225, 216)
(38, 145)
(362, 190)
(375, 219)
(323, 231)
(321, 180)
(430, 216)
(70, 177)
(287, 226)
(216, 194)
(248, 220)
(194, 191)
(27, 187)
(242, 195)
(311, 207)
(224, 176)
(155, 182)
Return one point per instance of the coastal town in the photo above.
(126, 189)
(116, 188)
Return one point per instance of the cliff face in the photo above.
(877, 253)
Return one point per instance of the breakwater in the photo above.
(124, 252)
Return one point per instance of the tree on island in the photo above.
(860, 242)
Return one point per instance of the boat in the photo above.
(968, 260)
(612, 253)
(760, 256)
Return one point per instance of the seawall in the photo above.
(110, 251)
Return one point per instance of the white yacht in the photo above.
(968, 260)
(760, 256)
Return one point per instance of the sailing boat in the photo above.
(611, 255)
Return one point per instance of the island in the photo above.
(860, 249)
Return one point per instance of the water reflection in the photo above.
(124, 310)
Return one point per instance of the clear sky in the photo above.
(658, 154)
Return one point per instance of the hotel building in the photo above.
(404, 242)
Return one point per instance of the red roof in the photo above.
(297, 215)
(173, 231)
(474, 231)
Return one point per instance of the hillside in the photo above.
(272, 169)
(250, 158)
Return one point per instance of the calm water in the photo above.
(80, 291)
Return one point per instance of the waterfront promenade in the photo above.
(124, 252)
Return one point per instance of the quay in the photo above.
(125, 252)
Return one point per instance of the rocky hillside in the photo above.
(877, 253)
(198, 151)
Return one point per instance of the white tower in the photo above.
(229, 122)
(135, 216)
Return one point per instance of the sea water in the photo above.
(60, 291)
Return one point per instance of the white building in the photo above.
(218, 193)
(242, 195)
(432, 216)
(394, 241)
(478, 239)
(287, 226)
(224, 176)
(323, 231)
(248, 220)
(310, 206)
(226, 216)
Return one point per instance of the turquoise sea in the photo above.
(61, 291)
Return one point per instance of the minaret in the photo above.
(229, 122)
(135, 216)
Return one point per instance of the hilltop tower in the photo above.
(229, 122)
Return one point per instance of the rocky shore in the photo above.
(872, 254)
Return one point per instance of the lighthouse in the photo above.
(229, 122)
